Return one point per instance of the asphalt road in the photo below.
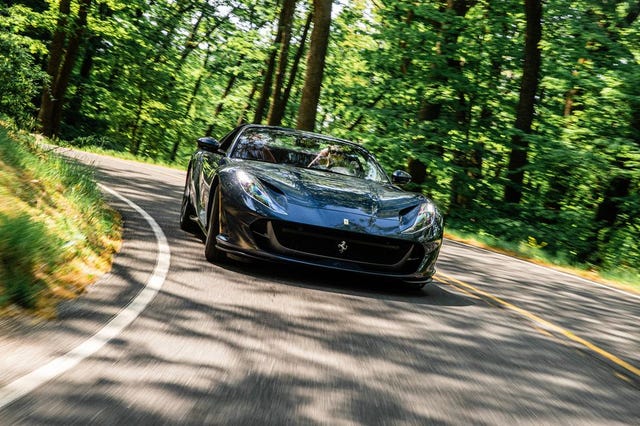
(494, 341)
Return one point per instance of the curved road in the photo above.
(494, 341)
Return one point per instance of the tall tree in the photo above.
(283, 34)
(56, 56)
(293, 73)
(526, 103)
(276, 111)
(315, 65)
(51, 121)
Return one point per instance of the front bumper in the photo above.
(248, 235)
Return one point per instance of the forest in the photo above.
(521, 119)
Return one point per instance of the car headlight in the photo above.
(425, 218)
(254, 189)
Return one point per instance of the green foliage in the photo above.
(431, 87)
(22, 80)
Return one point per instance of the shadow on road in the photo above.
(262, 344)
(345, 283)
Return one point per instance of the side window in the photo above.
(226, 141)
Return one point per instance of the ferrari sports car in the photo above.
(285, 195)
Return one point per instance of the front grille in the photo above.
(370, 252)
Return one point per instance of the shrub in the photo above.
(25, 249)
(22, 81)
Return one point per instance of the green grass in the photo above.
(56, 232)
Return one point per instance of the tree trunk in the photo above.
(56, 54)
(135, 143)
(228, 87)
(267, 84)
(315, 65)
(75, 104)
(276, 112)
(266, 88)
(62, 82)
(244, 113)
(526, 103)
(632, 15)
(293, 73)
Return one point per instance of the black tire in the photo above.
(211, 251)
(415, 286)
(187, 211)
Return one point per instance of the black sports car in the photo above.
(279, 194)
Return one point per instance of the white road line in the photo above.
(29, 382)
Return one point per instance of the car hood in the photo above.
(332, 191)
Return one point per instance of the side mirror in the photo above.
(400, 177)
(208, 144)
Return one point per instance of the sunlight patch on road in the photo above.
(29, 382)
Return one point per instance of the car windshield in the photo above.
(307, 151)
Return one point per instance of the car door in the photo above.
(196, 182)
(210, 163)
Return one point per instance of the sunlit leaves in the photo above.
(24, 83)
(429, 84)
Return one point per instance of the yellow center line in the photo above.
(467, 288)
(445, 282)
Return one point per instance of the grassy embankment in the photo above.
(57, 235)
